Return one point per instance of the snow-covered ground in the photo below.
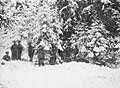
(68, 75)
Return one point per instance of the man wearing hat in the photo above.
(14, 51)
(41, 55)
(5, 58)
(30, 51)
(19, 49)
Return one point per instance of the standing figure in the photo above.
(30, 51)
(20, 49)
(41, 55)
(14, 51)
(53, 55)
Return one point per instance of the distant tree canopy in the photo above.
(90, 11)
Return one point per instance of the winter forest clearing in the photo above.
(59, 43)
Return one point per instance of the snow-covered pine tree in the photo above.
(92, 18)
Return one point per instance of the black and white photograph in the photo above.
(59, 43)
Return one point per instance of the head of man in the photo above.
(29, 43)
(19, 42)
(14, 42)
(7, 53)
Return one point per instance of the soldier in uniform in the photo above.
(19, 50)
(41, 55)
(30, 51)
(14, 51)
(53, 55)
(5, 58)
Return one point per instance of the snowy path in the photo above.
(68, 75)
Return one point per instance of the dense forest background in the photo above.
(78, 30)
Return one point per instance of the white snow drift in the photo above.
(68, 75)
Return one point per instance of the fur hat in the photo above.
(7, 52)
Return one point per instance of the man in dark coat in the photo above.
(41, 55)
(53, 55)
(30, 51)
(6, 57)
(19, 49)
(14, 51)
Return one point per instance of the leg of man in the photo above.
(19, 55)
(39, 61)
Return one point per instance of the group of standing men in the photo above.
(16, 50)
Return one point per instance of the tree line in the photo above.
(81, 30)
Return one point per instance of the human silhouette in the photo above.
(30, 51)
(6, 57)
(19, 50)
(14, 51)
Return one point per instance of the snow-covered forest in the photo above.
(74, 31)
(77, 30)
